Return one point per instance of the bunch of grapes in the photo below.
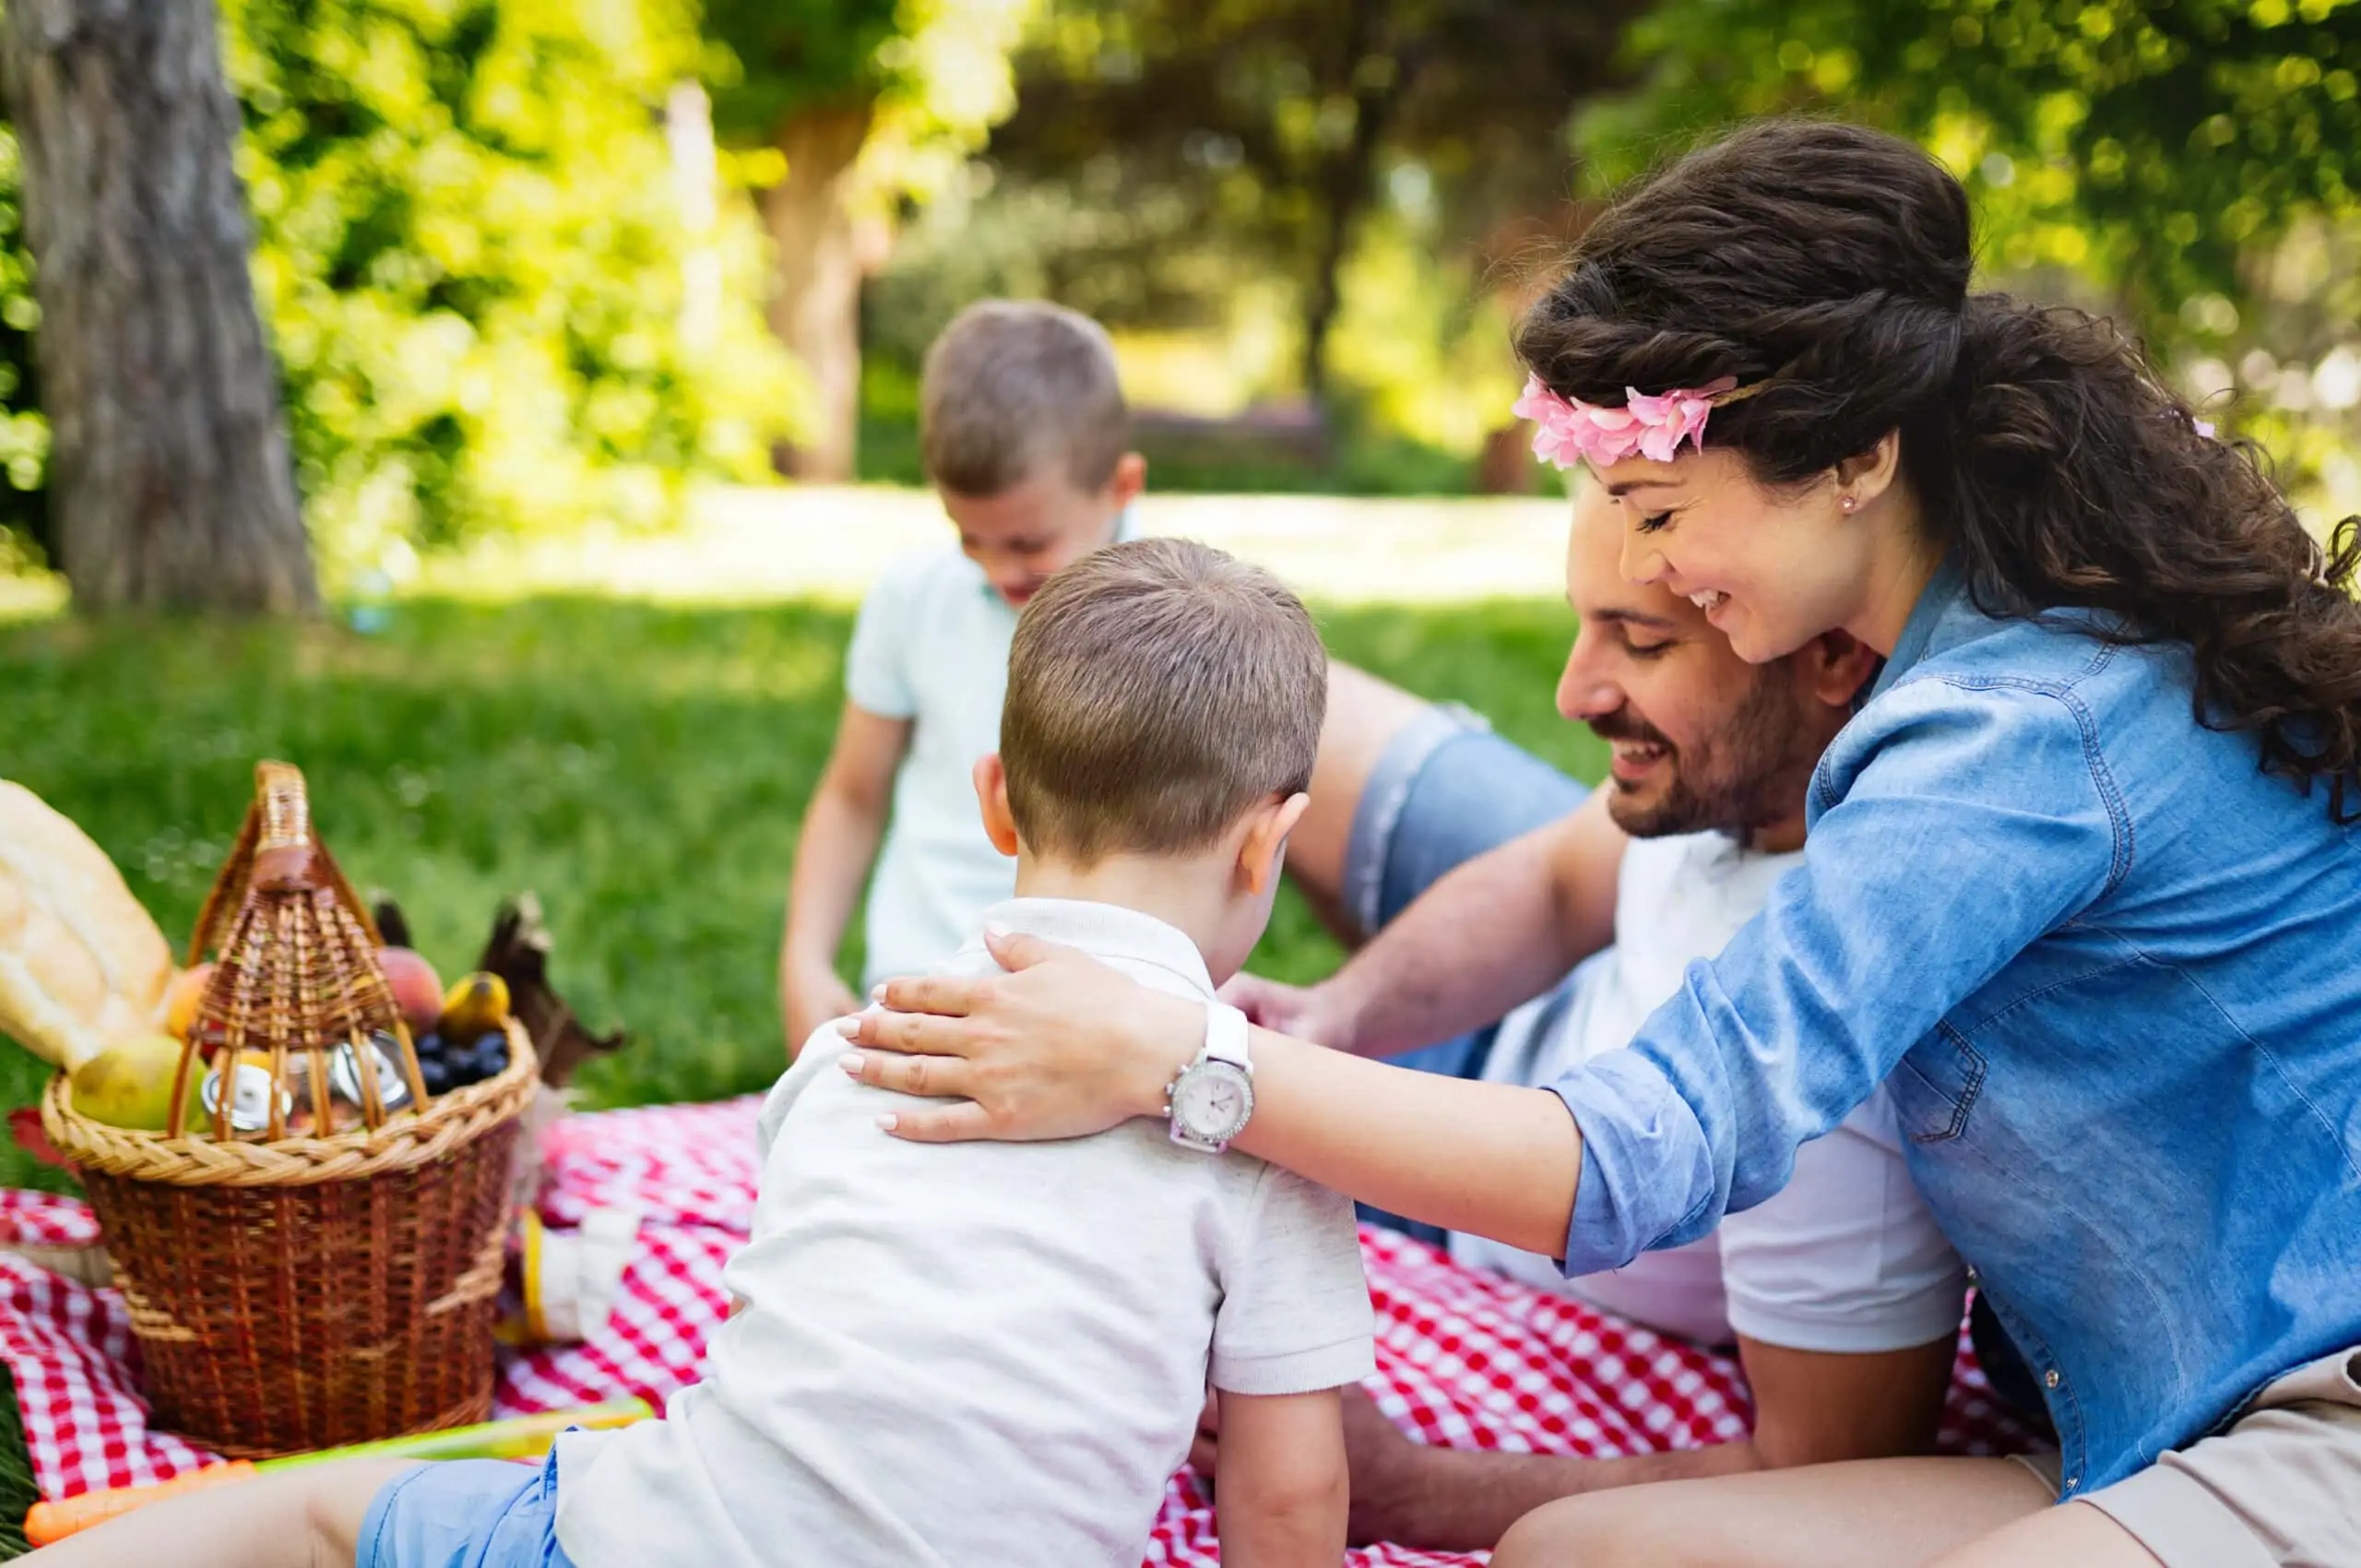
(447, 1065)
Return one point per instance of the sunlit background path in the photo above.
(829, 542)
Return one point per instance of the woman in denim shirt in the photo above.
(2082, 885)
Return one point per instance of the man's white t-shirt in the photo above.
(930, 646)
(1846, 1257)
(978, 1352)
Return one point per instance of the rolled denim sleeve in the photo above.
(1957, 822)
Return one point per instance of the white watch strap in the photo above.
(1226, 1036)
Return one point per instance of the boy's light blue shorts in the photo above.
(463, 1514)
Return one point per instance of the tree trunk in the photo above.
(169, 470)
(1343, 185)
(815, 291)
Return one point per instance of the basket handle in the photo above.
(283, 851)
(276, 849)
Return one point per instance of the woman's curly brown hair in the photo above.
(1832, 262)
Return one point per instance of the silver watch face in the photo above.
(1212, 1101)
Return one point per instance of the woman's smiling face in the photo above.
(1772, 569)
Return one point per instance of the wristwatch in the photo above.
(1209, 1100)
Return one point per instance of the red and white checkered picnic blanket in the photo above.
(1463, 1358)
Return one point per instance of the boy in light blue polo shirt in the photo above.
(1027, 438)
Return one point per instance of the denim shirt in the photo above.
(2111, 974)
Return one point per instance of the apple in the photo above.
(417, 991)
(180, 997)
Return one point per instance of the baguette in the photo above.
(82, 965)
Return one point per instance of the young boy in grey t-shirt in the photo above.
(981, 1353)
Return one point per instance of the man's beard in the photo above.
(1746, 776)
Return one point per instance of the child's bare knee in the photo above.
(335, 1503)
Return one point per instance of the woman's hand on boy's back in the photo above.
(1060, 1046)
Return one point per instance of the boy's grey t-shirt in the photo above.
(930, 646)
(975, 1353)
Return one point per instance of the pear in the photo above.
(130, 1084)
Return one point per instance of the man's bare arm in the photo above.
(1495, 932)
(1810, 1408)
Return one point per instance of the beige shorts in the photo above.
(2282, 1489)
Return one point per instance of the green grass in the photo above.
(642, 768)
(18, 1493)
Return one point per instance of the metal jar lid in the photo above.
(250, 1096)
(385, 1057)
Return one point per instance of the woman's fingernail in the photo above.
(877, 991)
(888, 1121)
(849, 1027)
(850, 1061)
(993, 928)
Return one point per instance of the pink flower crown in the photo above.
(1572, 431)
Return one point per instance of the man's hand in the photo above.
(1387, 1476)
(1315, 1013)
(813, 996)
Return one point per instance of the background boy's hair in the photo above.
(1014, 384)
(1156, 689)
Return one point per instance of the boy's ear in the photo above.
(1130, 478)
(991, 794)
(1265, 851)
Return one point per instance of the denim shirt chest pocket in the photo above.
(2055, 998)
(1935, 1085)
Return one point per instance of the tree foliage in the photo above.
(2155, 148)
(1257, 135)
(24, 433)
(473, 252)
(775, 57)
(935, 73)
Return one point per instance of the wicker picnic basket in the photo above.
(329, 1277)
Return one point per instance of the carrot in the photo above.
(49, 1522)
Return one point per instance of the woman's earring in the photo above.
(1847, 502)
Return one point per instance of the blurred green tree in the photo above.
(24, 433)
(478, 250)
(864, 104)
(2158, 149)
(1261, 132)
(500, 298)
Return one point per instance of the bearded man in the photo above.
(1528, 926)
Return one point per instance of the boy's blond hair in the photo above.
(1014, 384)
(1156, 689)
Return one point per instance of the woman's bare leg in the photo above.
(1872, 1513)
(1364, 715)
(2076, 1536)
